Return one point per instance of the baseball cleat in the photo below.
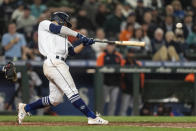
(21, 112)
(97, 121)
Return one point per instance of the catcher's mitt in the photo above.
(10, 72)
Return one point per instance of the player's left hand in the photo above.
(10, 72)
(89, 42)
(82, 38)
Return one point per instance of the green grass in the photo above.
(110, 118)
(94, 128)
(91, 128)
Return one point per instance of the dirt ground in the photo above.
(165, 124)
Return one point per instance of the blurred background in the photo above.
(155, 80)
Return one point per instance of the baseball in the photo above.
(179, 25)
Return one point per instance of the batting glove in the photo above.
(89, 42)
(82, 38)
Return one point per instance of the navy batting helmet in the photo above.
(61, 18)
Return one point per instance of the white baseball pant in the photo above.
(61, 81)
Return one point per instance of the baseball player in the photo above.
(55, 47)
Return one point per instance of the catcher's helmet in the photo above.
(61, 18)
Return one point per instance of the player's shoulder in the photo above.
(45, 22)
(44, 25)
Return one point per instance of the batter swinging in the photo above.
(54, 45)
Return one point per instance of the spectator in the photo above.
(146, 3)
(180, 44)
(127, 83)
(169, 10)
(6, 10)
(57, 3)
(13, 43)
(158, 46)
(25, 23)
(131, 19)
(19, 11)
(99, 47)
(168, 25)
(101, 15)
(138, 36)
(188, 22)
(154, 3)
(126, 10)
(111, 81)
(127, 33)
(145, 29)
(191, 40)
(84, 21)
(91, 6)
(139, 11)
(147, 19)
(156, 17)
(178, 12)
(112, 29)
(37, 8)
(172, 45)
(165, 50)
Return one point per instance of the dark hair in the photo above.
(12, 22)
(129, 25)
(136, 29)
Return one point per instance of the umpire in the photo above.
(110, 57)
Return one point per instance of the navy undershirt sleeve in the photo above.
(71, 51)
(55, 28)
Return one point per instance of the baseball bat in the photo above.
(124, 43)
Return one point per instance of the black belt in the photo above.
(57, 57)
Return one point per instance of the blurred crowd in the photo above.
(168, 27)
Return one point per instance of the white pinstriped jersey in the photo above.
(51, 44)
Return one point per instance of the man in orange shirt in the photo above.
(110, 57)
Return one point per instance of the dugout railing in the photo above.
(90, 67)
(172, 67)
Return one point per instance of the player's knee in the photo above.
(55, 100)
(55, 103)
